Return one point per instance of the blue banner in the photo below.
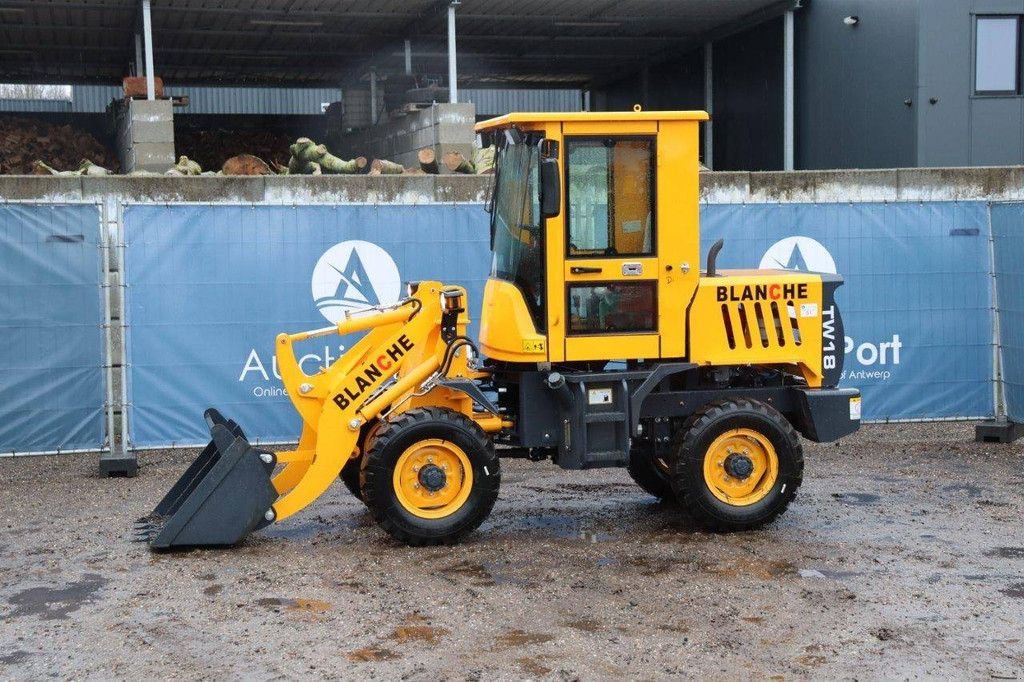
(1008, 242)
(917, 299)
(210, 287)
(51, 328)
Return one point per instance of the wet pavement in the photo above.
(902, 557)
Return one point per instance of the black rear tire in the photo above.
(707, 427)
(649, 472)
(448, 429)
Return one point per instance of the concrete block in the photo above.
(458, 133)
(731, 187)
(167, 188)
(960, 184)
(40, 188)
(778, 186)
(151, 156)
(856, 186)
(463, 188)
(151, 110)
(152, 132)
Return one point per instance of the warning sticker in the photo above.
(855, 408)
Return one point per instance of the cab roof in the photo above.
(589, 116)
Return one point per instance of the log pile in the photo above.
(23, 141)
(310, 158)
(29, 146)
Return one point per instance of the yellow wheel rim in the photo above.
(741, 467)
(433, 478)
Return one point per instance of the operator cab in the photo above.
(595, 251)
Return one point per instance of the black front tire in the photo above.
(350, 477)
(701, 431)
(405, 430)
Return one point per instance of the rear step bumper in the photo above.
(224, 495)
(827, 414)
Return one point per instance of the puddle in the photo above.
(968, 489)
(764, 569)
(14, 658)
(486, 574)
(531, 666)
(566, 527)
(856, 499)
(299, 606)
(1015, 591)
(584, 624)
(55, 603)
(296, 531)
(417, 628)
(651, 566)
(369, 654)
(515, 638)
(839, 575)
(560, 526)
(1006, 552)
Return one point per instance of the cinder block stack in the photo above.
(443, 127)
(145, 135)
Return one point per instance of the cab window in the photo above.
(610, 197)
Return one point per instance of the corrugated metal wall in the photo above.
(490, 102)
(202, 100)
(225, 100)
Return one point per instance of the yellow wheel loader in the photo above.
(602, 343)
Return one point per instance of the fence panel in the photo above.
(210, 286)
(51, 328)
(917, 298)
(1008, 244)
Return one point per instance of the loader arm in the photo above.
(232, 488)
(401, 350)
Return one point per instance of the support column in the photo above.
(373, 95)
(787, 92)
(709, 105)
(147, 30)
(453, 75)
(138, 55)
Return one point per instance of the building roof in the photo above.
(319, 42)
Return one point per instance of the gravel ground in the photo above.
(903, 556)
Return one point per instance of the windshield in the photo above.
(516, 226)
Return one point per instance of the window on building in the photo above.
(35, 92)
(997, 55)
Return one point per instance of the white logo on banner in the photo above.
(352, 275)
(798, 253)
(809, 255)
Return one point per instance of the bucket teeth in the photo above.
(146, 528)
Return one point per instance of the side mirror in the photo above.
(550, 188)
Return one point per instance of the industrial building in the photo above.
(796, 84)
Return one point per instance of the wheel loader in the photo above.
(602, 343)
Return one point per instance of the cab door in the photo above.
(611, 268)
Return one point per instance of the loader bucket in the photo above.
(223, 496)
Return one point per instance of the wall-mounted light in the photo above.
(851, 20)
